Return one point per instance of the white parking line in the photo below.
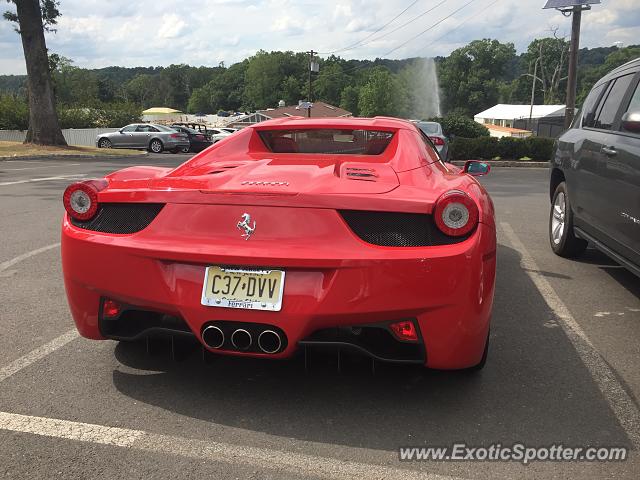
(616, 396)
(24, 256)
(37, 354)
(41, 167)
(45, 179)
(261, 458)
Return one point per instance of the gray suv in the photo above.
(595, 173)
(148, 136)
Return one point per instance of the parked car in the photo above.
(595, 173)
(198, 140)
(229, 130)
(347, 232)
(215, 134)
(434, 131)
(148, 136)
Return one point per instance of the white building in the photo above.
(513, 120)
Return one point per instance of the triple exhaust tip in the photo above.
(268, 340)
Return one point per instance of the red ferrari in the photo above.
(342, 233)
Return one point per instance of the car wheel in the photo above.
(561, 236)
(156, 146)
(104, 143)
(184, 149)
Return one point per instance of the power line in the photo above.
(349, 47)
(399, 27)
(430, 28)
(471, 17)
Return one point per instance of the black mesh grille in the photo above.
(391, 229)
(121, 217)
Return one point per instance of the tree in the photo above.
(330, 83)
(33, 17)
(380, 95)
(547, 59)
(349, 99)
(471, 75)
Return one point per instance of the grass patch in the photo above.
(17, 149)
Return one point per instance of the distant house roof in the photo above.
(498, 128)
(512, 112)
(160, 111)
(319, 110)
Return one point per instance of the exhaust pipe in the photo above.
(241, 339)
(213, 337)
(269, 341)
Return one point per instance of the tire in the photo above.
(184, 149)
(104, 143)
(155, 146)
(561, 236)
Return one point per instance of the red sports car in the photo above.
(345, 233)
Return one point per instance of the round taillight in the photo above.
(81, 200)
(456, 213)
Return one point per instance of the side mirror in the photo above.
(631, 122)
(476, 168)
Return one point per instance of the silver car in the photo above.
(148, 136)
(433, 130)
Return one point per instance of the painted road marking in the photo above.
(24, 256)
(261, 458)
(37, 354)
(45, 179)
(42, 166)
(616, 396)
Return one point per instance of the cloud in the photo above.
(95, 33)
(172, 26)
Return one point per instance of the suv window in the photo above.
(589, 106)
(634, 105)
(611, 105)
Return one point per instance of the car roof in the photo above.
(629, 67)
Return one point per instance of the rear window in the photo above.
(429, 128)
(327, 141)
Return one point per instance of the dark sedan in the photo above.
(198, 140)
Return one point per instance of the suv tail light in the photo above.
(456, 213)
(81, 199)
(437, 141)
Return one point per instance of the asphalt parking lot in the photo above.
(562, 369)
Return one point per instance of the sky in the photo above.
(100, 33)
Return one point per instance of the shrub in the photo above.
(510, 147)
(459, 126)
(14, 112)
(507, 148)
(540, 148)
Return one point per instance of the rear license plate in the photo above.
(243, 288)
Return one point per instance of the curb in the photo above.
(68, 157)
(507, 163)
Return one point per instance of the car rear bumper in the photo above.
(446, 290)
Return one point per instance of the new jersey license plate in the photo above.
(243, 288)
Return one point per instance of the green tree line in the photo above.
(472, 78)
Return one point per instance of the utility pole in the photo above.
(575, 8)
(533, 93)
(310, 95)
(573, 66)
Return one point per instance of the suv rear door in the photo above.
(623, 173)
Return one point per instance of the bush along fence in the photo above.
(505, 148)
